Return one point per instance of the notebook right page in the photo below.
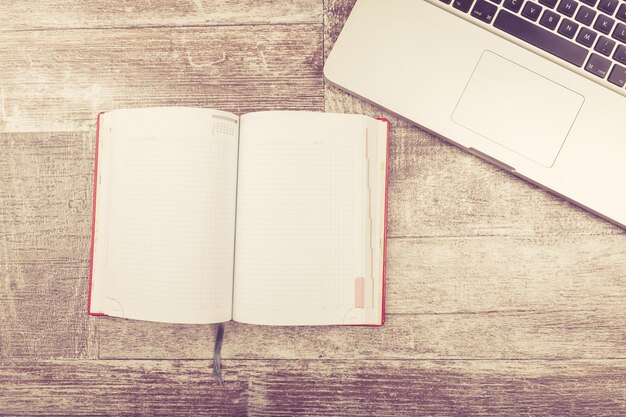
(303, 239)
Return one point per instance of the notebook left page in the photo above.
(165, 215)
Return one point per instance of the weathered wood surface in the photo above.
(438, 190)
(80, 14)
(315, 388)
(45, 204)
(60, 80)
(502, 299)
(500, 335)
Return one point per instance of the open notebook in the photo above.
(202, 216)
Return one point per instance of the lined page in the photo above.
(302, 227)
(172, 222)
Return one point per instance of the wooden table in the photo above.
(502, 299)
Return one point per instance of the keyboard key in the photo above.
(531, 11)
(607, 6)
(541, 38)
(598, 65)
(548, 3)
(568, 28)
(585, 15)
(513, 5)
(446, 1)
(621, 12)
(591, 3)
(618, 76)
(586, 37)
(549, 19)
(620, 54)
(620, 32)
(605, 46)
(462, 5)
(484, 11)
(567, 7)
(604, 24)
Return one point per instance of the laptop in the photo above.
(537, 87)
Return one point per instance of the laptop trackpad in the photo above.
(517, 108)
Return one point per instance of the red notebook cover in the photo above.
(93, 218)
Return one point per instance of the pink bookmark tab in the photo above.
(359, 292)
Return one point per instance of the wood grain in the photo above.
(438, 190)
(60, 80)
(567, 334)
(335, 14)
(507, 274)
(314, 388)
(45, 195)
(64, 14)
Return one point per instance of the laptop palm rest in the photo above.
(517, 108)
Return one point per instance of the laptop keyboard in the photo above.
(589, 34)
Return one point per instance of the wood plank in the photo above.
(117, 388)
(335, 14)
(569, 334)
(439, 190)
(60, 80)
(314, 388)
(45, 218)
(507, 274)
(50, 14)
